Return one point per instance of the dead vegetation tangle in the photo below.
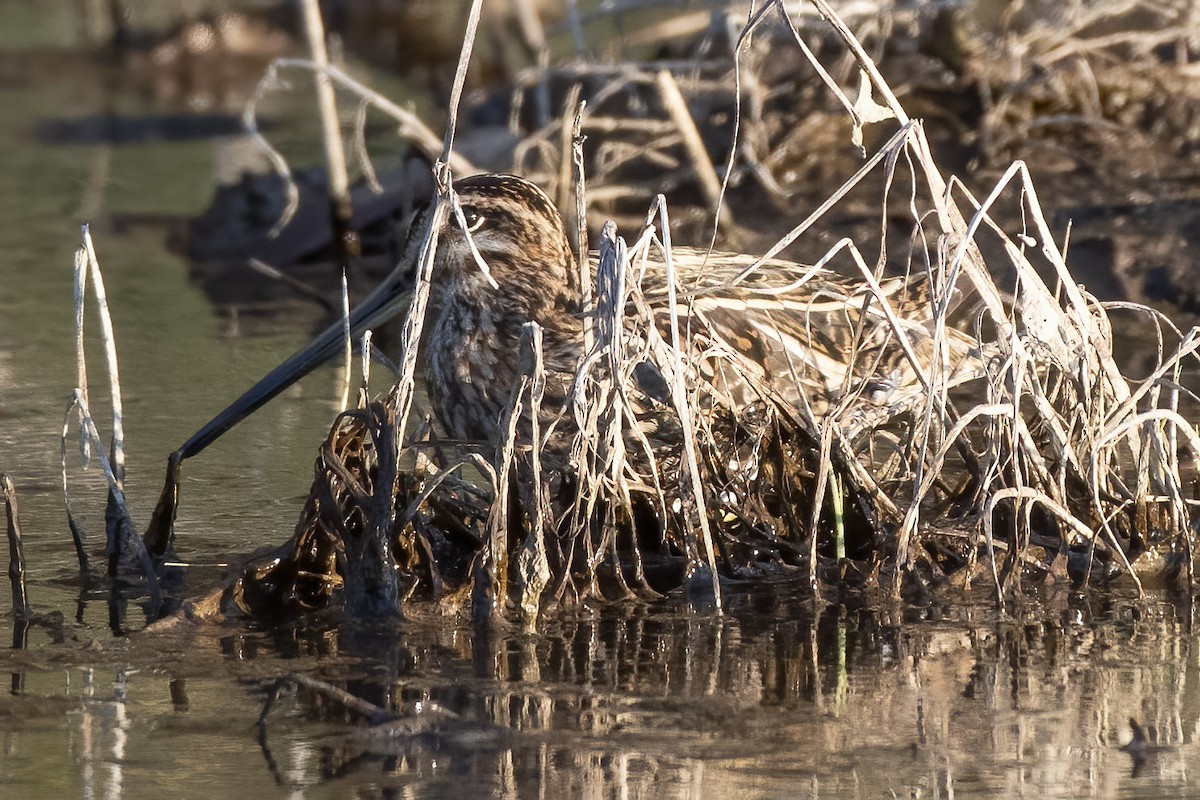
(1050, 462)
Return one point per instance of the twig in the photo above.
(110, 351)
(365, 350)
(360, 146)
(581, 233)
(124, 527)
(77, 534)
(532, 565)
(415, 321)
(16, 551)
(372, 713)
(690, 478)
(341, 210)
(566, 146)
(710, 184)
(348, 346)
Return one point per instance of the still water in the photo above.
(777, 699)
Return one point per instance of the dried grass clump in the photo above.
(1041, 458)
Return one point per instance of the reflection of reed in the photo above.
(103, 729)
(674, 705)
(766, 702)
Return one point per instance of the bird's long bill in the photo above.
(389, 299)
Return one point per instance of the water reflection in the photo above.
(769, 701)
(775, 699)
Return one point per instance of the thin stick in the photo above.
(419, 716)
(117, 498)
(348, 347)
(72, 522)
(532, 566)
(372, 713)
(460, 78)
(710, 184)
(581, 233)
(690, 478)
(341, 209)
(566, 147)
(81, 378)
(364, 391)
(415, 321)
(110, 351)
(16, 551)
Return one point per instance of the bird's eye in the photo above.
(473, 219)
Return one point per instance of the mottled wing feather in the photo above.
(810, 334)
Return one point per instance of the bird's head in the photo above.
(516, 231)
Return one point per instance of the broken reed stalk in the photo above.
(364, 395)
(77, 534)
(108, 338)
(532, 563)
(121, 523)
(446, 164)
(566, 146)
(118, 523)
(348, 347)
(16, 551)
(677, 108)
(691, 488)
(582, 257)
(373, 714)
(529, 569)
(413, 719)
(86, 262)
(341, 210)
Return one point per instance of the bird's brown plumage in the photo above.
(807, 335)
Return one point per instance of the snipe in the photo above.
(804, 333)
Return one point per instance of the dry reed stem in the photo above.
(691, 488)
(364, 353)
(677, 108)
(77, 534)
(582, 258)
(415, 320)
(108, 338)
(331, 135)
(16, 551)
(125, 527)
(566, 150)
(373, 714)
